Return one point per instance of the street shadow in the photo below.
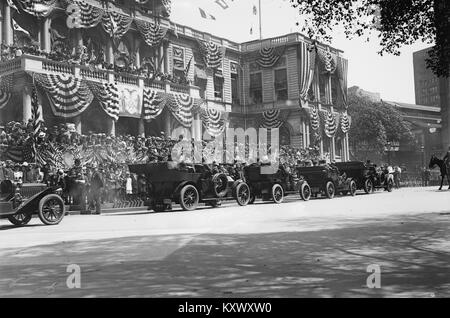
(413, 255)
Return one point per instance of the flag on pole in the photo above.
(223, 4)
(12, 5)
(255, 10)
(18, 28)
(206, 15)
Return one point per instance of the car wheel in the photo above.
(368, 186)
(20, 219)
(51, 209)
(353, 188)
(243, 194)
(277, 193)
(189, 198)
(305, 191)
(330, 190)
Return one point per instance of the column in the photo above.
(141, 128)
(7, 28)
(137, 44)
(109, 52)
(167, 126)
(26, 104)
(1, 21)
(45, 35)
(111, 127)
(166, 56)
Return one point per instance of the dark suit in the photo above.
(97, 183)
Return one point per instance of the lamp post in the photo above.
(422, 150)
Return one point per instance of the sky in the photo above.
(391, 76)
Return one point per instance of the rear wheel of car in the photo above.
(305, 191)
(189, 198)
(353, 188)
(242, 194)
(20, 219)
(51, 209)
(330, 190)
(277, 193)
(368, 186)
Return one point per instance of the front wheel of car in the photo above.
(189, 198)
(51, 209)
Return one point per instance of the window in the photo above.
(178, 58)
(256, 88)
(281, 87)
(218, 84)
(235, 88)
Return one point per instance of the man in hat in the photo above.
(80, 184)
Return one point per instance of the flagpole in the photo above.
(260, 24)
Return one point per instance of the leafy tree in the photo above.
(399, 22)
(374, 124)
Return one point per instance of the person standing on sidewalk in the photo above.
(97, 183)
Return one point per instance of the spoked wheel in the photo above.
(330, 190)
(305, 191)
(277, 193)
(189, 198)
(51, 209)
(20, 219)
(243, 194)
(353, 188)
(368, 186)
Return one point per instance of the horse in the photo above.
(435, 161)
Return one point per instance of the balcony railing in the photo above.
(31, 63)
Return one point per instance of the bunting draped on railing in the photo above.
(341, 72)
(116, 24)
(269, 56)
(212, 121)
(330, 123)
(183, 107)
(69, 96)
(345, 122)
(271, 119)
(152, 33)
(90, 16)
(211, 53)
(314, 118)
(328, 60)
(5, 90)
(107, 95)
(38, 8)
(14, 153)
(307, 64)
(153, 103)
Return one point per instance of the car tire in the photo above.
(189, 198)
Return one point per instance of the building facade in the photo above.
(432, 91)
(123, 67)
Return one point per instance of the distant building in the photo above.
(432, 91)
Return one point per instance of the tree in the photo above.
(374, 124)
(399, 22)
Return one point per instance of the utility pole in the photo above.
(260, 23)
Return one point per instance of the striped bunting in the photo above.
(329, 60)
(342, 70)
(14, 153)
(212, 121)
(314, 118)
(307, 63)
(116, 24)
(182, 107)
(345, 122)
(6, 84)
(107, 95)
(271, 119)
(38, 8)
(330, 124)
(69, 96)
(152, 33)
(153, 103)
(269, 57)
(89, 16)
(211, 54)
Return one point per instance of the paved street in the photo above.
(320, 248)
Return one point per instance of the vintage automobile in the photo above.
(169, 182)
(327, 180)
(358, 171)
(18, 203)
(381, 178)
(270, 185)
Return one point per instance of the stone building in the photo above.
(123, 67)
